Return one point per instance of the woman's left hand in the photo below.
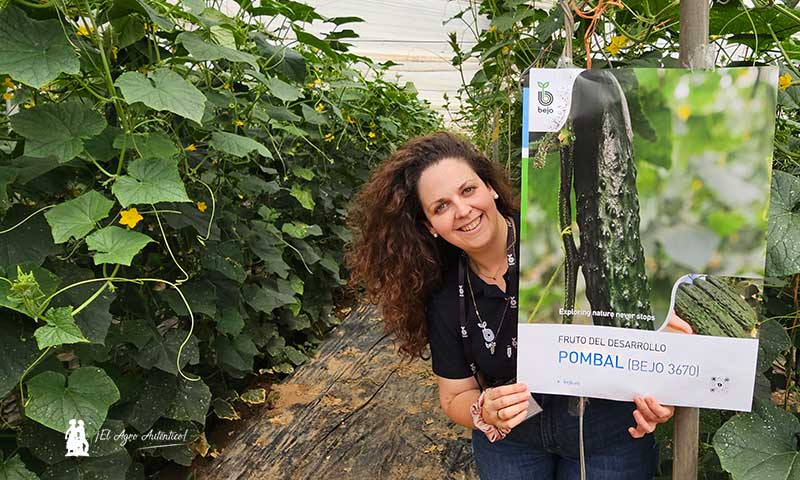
(648, 414)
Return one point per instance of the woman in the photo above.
(435, 245)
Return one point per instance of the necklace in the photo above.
(489, 337)
(509, 253)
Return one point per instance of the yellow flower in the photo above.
(130, 217)
(190, 148)
(350, 119)
(318, 82)
(226, 86)
(329, 137)
(309, 85)
(784, 81)
(202, 206)
(84, 31)
(320, 108)
(114, 51)
(28, 105)
(239, 123)
(684, 111)
(492, 29)
(506, 49)
(143, 70)
(8, 96)
(696, 184)
(372, 135)
(618, 42)
(8, 83)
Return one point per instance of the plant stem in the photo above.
(97, 293)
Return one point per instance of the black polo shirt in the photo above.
(444, 327)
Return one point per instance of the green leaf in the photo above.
(312, 116)
(19, 350)
(116, 245)
(266, 112)
(57, 129)
(60, 329)
(224, 410)
(7, 177)
(94, 320)
(149, 145)
(150, 180)
(772, 341)
(200, 293)
(237, 145)
(163, 90)
(205, 50)
(29, 242)
(191, 402)
(783, 249)
(158, 391)
(86, 396)
(230, 321)
(163, 23)
(162, 352)
(14, 469)
(265, 299)
(227, 259)
(283, 90)
(34, 52)
(77, 217)
(281, 58)
(107, 467)
(302, 172)
(295, 356)
(255, 396)
(303, 196)
(301, 230)
(760, 445)
(235, 357)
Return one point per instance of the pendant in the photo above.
(491, 347)
(488, 334)
(508, 351)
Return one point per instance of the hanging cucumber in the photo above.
(571, 260)
(607, 205)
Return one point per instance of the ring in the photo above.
(497, 414)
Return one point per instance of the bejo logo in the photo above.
(545, 97)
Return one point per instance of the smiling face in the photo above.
(458, 205)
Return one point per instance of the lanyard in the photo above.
(462, 309)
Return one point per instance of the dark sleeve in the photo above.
(447, 351)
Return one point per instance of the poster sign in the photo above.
(644, 202)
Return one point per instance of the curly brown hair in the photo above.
(392, 254)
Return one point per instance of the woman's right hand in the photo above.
(506, 407)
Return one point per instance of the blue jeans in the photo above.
(546, 446)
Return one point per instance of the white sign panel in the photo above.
(550, 98)
(619, 363)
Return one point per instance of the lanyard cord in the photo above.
(462, 309)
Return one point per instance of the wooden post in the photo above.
(693, 54)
